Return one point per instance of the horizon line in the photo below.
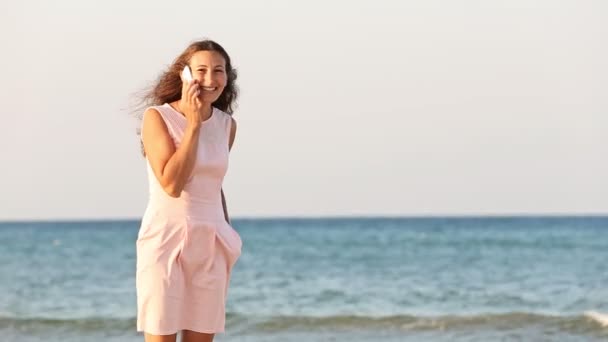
(333, 217)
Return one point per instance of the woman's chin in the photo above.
(208, 98)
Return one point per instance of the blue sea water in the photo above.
(336, 279)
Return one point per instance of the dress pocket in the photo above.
(234, 243)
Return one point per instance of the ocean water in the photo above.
(340, 279)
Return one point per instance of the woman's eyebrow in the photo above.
(203, 65)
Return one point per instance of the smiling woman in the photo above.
(168, 88)
(186, 247)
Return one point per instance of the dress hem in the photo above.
(203, 331)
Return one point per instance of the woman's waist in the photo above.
(179, 207)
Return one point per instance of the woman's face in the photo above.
(209, 68)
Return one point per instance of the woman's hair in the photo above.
(168, 87)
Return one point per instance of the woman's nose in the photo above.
(208, 78)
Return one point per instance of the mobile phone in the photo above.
(186, 74)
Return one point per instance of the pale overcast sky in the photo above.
(347, 107)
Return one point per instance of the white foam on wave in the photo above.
(601, 318)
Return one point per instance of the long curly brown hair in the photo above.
(168, 87)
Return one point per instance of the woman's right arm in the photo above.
(172, 167)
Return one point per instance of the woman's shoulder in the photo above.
(222, 113)
(226, 117)
(160, 109)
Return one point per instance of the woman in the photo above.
(186, 247)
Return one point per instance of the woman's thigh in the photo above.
(193, 336)
(159, 338)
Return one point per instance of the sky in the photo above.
(358, 108)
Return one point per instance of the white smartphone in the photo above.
(186, 74)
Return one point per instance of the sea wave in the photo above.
(505, 321)
(583, 323)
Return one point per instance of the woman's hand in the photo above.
(190, 104)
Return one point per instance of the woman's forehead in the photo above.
(207, 58)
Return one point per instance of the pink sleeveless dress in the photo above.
(185, 247)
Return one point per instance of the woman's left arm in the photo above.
(230, 142)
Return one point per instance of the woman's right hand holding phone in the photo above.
(190, 103)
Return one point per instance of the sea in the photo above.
(520, 278)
